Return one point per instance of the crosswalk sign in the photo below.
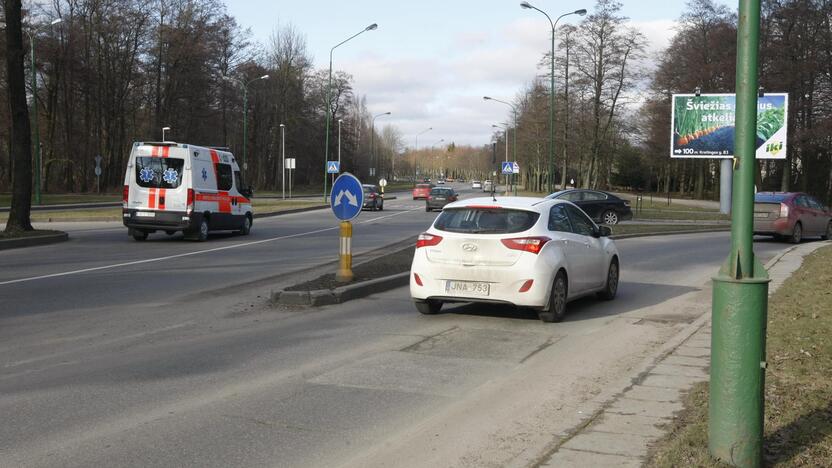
(508, 168)
(333, 167)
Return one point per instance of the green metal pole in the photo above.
(35, 127)
(740, 293)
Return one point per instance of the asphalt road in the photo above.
(178, 361)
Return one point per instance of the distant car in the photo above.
(372, 198)
(475, 184)
(791, 215)
(527, 252)
(487, 186)
(421, 191)
(440, 182)
(602, 207)
(439, 197)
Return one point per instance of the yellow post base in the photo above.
(344, 273)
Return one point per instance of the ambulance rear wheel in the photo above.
(202, 233)
(245, 229)
(140, 235)
(170, 233)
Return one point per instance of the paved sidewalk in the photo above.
(620, 433)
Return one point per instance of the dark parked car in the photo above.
(372, 199)
(602, 207)
(791, 215)
(439, 197)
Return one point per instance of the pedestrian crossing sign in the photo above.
(333, 167)
(508, 168)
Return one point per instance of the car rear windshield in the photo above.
(422, 186)
(485, 220)
(770, 197)
(441, 191)
(159, 172)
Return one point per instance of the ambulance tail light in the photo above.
(190, 207)
(125, 195)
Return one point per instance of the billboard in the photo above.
(703, 126)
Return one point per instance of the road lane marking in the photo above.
(188, 254)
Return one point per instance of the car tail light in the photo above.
(125, 195)
(417, 279)
(784, 210)
(190, 207)
(427, 240)
(526, 244)
(526, 286)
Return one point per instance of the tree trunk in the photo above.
(21, 138)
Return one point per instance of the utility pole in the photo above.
(740, 290)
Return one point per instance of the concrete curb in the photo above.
(321, 297)
(33, 241)
(118, 218)
(669, 233)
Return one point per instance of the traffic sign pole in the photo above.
(344, 273)
(740, 290)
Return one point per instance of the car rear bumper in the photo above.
(161, 220)
(778, 226)
(504, 282)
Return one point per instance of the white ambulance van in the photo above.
(174, 187)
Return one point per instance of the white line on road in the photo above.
(188, 254)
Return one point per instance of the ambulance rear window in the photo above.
(159, 172)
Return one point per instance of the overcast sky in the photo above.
(431, 61)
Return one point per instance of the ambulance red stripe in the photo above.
(151, 198)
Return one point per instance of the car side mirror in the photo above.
(604, 231)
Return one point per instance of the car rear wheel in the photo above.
(828, 234)
(427, 208)
(609, 217)
(797, 234)
(201, 232)
(140, 235)
(557, 300)
(611, 288)
(429, 307)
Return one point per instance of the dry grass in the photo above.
(798, 420)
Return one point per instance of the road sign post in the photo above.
(740, 290)
(346, 200)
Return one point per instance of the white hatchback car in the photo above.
(475, 184)
(527, 252)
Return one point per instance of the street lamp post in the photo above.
(554, 25)
(283, 160)
(372, 136)
(329, 96)
(514, 109)
(35, 127)
(439, 172)
(417, 146)
(339, 141)
(245, 110)
(164, 130)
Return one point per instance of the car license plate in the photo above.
(761, 215)
(439, 198)
(145, 214)
(467, 288)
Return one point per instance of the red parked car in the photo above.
(792, 216)
(422, 191)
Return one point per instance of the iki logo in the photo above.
(774, 148)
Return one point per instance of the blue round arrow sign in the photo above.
(347, 197)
